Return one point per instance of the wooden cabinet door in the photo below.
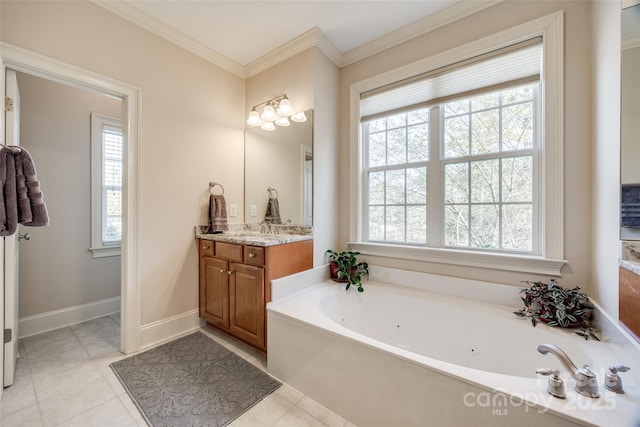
(214, 291)
(246, 303)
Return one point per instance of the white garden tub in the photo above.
(401, 356)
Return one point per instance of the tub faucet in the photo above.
(586, 381)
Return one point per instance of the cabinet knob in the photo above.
(205, 247)
(229, 272)
(252, 255)
(223, 270)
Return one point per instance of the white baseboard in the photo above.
(45, 322)
(168, 329)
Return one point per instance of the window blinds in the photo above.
(519, 63)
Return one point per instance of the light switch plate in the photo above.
(233, 210)
(254, 210)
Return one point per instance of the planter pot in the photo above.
(333, 269)
(553, 317)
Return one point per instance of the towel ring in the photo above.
(214, 184)
(270, 190)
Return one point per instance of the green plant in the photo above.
(554, 305)
(345, 267)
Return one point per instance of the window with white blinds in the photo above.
(106, 177)
(460, 155)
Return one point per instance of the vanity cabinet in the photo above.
(235, 284)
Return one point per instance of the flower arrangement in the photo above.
(554, 305)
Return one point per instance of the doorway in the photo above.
(62, 278)
(49, 69)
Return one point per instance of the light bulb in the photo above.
(254, 118)
(282, 121)
(284, 109)
(299, 117)
(269, 114)
(268, 126)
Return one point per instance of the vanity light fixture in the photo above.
(299, 117)
(282, 121)
(268, 126)
(277, 111)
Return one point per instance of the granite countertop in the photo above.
(630, 265)
(631, 256)
(247, 236)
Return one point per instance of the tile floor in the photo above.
(63, 379)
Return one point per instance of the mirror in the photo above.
(282, 160)
(630, 121)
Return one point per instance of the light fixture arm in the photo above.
(274, 102)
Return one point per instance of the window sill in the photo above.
(494, 261)
(105, 251)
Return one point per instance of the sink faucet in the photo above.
(586, 381)
(263, 227)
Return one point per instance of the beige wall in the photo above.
(191, 132)
(630, 113)
(606, 154)
(310, 80)
(56, 267)
(326, 159)
(577, 116)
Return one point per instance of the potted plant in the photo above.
(345, 268)
(554, 305)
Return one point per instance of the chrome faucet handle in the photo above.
(612, 380)
(555, 386)
(263, 228)
(586, 382)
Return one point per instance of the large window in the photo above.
(461, 162)
(106, 157)
(483, 156)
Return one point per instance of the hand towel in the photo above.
(217, 213)
(32, 210)
(8, 202)
(272, 215)
(630, 206)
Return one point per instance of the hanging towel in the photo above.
(217, 213)
(8, 202)
(32, 210)
(272, 215)
(630, 206)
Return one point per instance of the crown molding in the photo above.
(425, 25)
(136, 16)
(311, 38)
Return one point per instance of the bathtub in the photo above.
(419, 356)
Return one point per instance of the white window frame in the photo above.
(551, 162)
(99, 248)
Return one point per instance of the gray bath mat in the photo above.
(192, 381)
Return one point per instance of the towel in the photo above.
(630, 206)
(272, 215)
(8, 202)
(217, 213)
(32, 210)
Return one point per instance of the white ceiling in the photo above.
(246, 30)
(247, 36)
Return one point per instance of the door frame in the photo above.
(25, 61)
